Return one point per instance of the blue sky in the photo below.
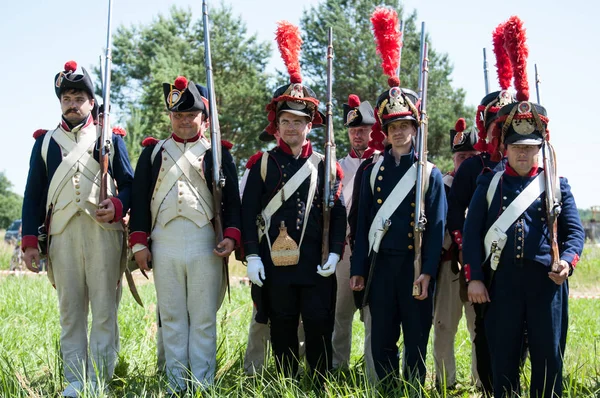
(38, 37)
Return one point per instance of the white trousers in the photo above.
(85, 267)
(344, 315)
(447, 314)
(189, 287)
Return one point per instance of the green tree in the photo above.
(145, 56)
(10, 202)
(357, 68)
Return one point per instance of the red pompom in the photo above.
(38, 133)
(226, 144)
(181, 83)
(460, 125)
(71, 66)
(394, 81)
(523, 95)
(149, 141)
(295, 78)
(503, 67)
(253, 159)
(289, 42)
(118, 130)
(387, 38)
(353, 101)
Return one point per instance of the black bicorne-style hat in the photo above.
(358, 113)
(461, 139)
(69, 79)
(184, 96)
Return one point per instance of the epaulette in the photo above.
(118, 130)
(339, 171)
(228, 145)
(253, 159)
(38, 133)
(149, 141)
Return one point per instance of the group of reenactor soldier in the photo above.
(500, 264)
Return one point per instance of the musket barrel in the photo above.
(537, 85)
(421, 58)
(486, 77)
(104, 142)
(328, 194)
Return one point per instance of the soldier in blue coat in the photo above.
(390, 296)
(518, 282)
(85, 235)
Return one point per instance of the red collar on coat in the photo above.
(177, 138)
(366, 154)
(304, 153)
(533, 172)
(65, 125)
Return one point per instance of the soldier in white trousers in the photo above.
(85, 236)
(171, 224)
(359, 118)
(451, 288)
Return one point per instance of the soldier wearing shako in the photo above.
(491, 156)
(172, 208)
(358, 118)
(85, 236)
(523, 237)
(284, 196)
(450, 292)
(384, 247)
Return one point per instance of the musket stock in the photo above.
(218, 178)
(330, 170)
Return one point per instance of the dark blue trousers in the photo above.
(523, 297)
(393, 306)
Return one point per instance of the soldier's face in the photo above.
(293, 129)
(188, 124)
(522, 157)
(75, 105)
(400, 133)
(359, 137)
(459, 157)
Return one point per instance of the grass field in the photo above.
(30, 365)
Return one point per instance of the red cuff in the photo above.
(29, 241)
(138, 237)
(233, 233)
(575, 260)
(457, 238)
(467, 270)
(118, 209)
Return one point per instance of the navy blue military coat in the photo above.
(528, 237)
(399, 238)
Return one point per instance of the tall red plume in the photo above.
(387, 39)
(503, 66)
(517, 50)
(70, 66)
(353, 101)
(289, 42)
(181, 82)
(461, 125)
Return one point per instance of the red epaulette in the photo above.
(149, 141)
(339, 171)
(118, 130)
(227, 144)
(38, 133)
(253, 159)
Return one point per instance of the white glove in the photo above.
(256, 270)
(329, 267)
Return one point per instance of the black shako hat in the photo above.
(358, 113)
(461, 139)
(523, 123)
(184, 96)
(68, 79)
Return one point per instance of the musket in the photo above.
(218, 178)
(553, 208)
(419, 216)
(105, 136)
(401, 45)
(101, 77)
(486, 78)
(330, 169)
(386, 226)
